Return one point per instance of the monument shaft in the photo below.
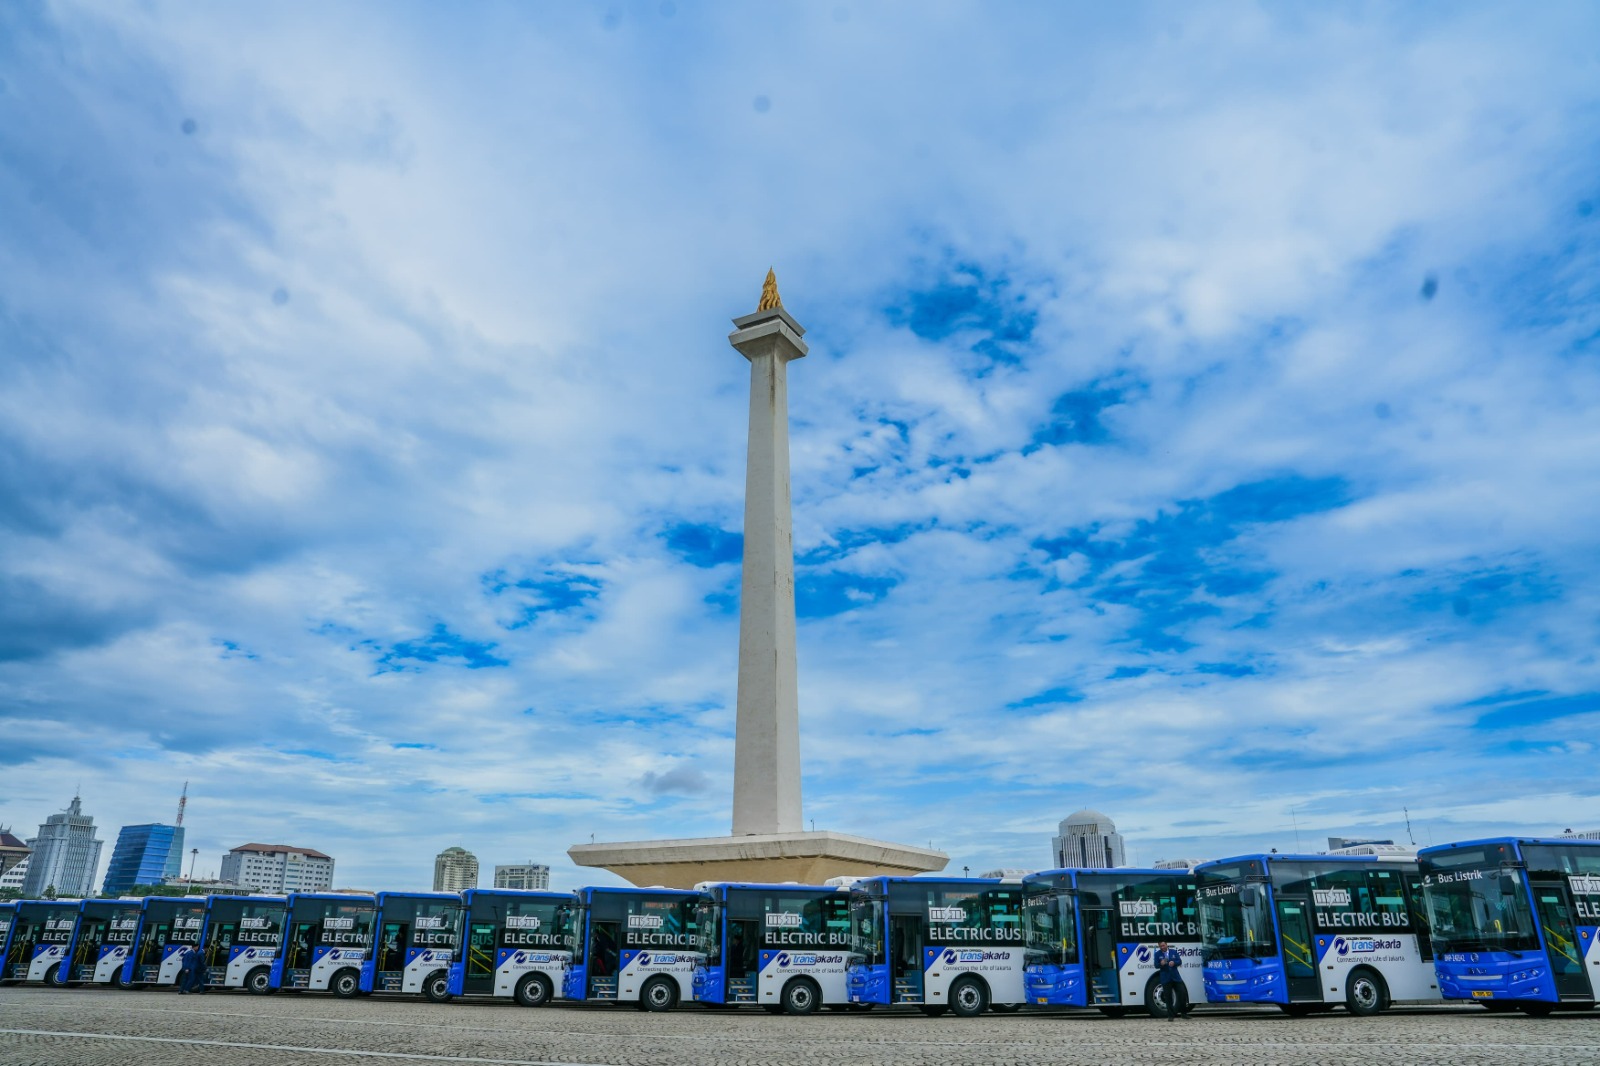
(766, 770)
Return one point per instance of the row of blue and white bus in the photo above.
(1507, 923)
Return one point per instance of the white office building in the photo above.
(455, 870)
(65, 855)
(1088, 840)
(278, 868)
(528, 875)
(14, 878)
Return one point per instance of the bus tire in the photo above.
(56, 976)
(932, 1010)
(1154, 1002)
(258, 982)
(660, 993)
(800, 996)
(436, 987)
(117, 980)
(1005, 1008)
(969, 997)
(533, 990)
(346, 984)
(1365, 994)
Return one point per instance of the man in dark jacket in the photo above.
(1171, 992)
(192, 973)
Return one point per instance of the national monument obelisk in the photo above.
(767, 842)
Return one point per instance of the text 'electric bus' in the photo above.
(1516, 922)
(243, 935)
(327, 942)
(1092, 938)
(418, 933)
(633, 945)
(103, 941)
(941, 944)
(516, 943)
(169, 928)
(782, 946)
(1309, 932)
(40, 934)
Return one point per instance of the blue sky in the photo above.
(1202, 420)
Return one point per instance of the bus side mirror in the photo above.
(1249, 896)
(1508, 884)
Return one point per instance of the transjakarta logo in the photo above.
(1586, 886)
(1137, 908)
(436, 921)
(644, 921)
(1331, 897)
(952, 956)
(644, 958)
(1363, 946)
(513, 921)
(783, 921)
(946, 914)
(338, 923)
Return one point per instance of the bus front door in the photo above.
(480, 959)
(740, 960)
(1561, 940)
(219, 944)
(1100, 953)
(905, 958)
(1299, 959)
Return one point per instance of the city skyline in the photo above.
(1200, 403)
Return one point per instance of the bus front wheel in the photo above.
(1365, 994)
(346, 984)
(800, 996)
(258, 982)
(57, 975)
(658, 994)
(437, 987)
(968, 997)
(533, 990)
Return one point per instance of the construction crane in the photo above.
(183, 801)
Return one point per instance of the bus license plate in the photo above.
(1231, 996)
(1479, 994)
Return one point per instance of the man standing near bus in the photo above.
(1170, 991)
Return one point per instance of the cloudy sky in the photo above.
(1202, 419)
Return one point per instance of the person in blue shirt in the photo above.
(1170, 991)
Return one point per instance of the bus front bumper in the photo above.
(1482, 976)
(1245, 981)
(1057, 986)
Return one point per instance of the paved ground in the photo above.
(61, 1028)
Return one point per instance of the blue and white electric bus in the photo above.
(516, 944)
(103, 940)
(418, 933)
(1516, 921)
(169, 928)
(1309, 932)
(1092, 937)
(782, 946)
(328, 938)
(938, 943)
(40, 933)
(241, 941)
(632, 945)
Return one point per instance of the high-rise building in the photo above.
(65, 854)
(12, 850)
(529, 875)
(278, 868)
(13, 879)
(455, 870)
(144, 855)
(1088, 840)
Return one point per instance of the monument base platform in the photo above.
(806, 858)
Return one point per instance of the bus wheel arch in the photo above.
(534, 990)
(660, 993)
(346, 983)
(258, 982)
(800, 995)
(969, 995)
(1365, 992)
(56, 976)
(436, 987)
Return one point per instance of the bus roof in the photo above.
(888, 880)
(426, 895)
(1541, 841)
(1272, 856)
(1114, 871)
(470, 894)
(252, 899)
(347, 897)
(772, 886)
(588, 891)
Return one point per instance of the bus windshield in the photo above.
(1048, 923)
(866, 932)
(709, 930)
(1235, 915)
(1475, 904)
